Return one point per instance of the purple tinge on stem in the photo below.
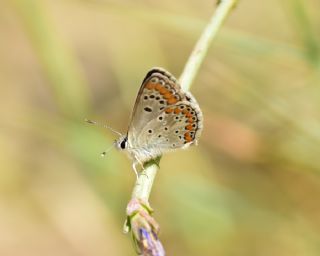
(144, 228)
(150, 244)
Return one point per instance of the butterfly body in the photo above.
(164, 118)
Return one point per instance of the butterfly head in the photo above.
(122, 142)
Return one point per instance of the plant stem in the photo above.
(139, 220)
(145, 180)
(201, 48)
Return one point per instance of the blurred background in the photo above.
(251, 187)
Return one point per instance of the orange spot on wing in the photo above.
(177, 110)
(189, 127)
(158, 87)
(187, 137)
(169, 110)
(187, 114)
(172, 100)
(190, 120)
(150, 86)
(168, 95)
(163, 90)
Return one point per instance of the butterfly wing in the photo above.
(177, 126)
(164, 117)
(159, 89)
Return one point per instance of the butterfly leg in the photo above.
(141, 164)
(142, 171)
(134, 167)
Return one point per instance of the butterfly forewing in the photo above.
(158, 90)
(164, 117)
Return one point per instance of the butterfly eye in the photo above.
(123, 144)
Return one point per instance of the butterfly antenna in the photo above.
(104, 153)
(102, 125)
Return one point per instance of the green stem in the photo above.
(138, 219)
(200, 50)
(145, 180)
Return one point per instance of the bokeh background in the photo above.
(251, 187)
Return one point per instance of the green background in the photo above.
(251, 187)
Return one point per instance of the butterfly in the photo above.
(164, 118)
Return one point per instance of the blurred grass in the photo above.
(252, 185)
(62, 69)
(304, 30)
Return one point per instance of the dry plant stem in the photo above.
(145, 180)
(139, 220)
(200, 50)
(143, 227)
(144, 183)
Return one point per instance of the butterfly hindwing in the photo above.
(158, 90)
(177, 126)
(164, 117)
